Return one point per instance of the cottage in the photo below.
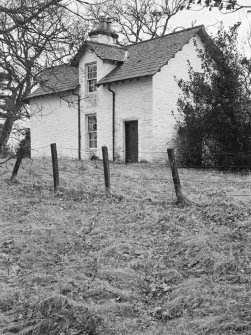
(114, 96)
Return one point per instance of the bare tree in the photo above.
(137, 20)
(24, 53)
(223, 5)
(21, 12)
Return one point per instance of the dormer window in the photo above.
(91, 77)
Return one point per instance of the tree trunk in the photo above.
(6, 130)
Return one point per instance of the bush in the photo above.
(7, 152)
(216, 107)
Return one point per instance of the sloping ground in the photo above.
(80, 262)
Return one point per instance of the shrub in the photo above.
(216, 107)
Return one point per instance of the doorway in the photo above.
(131, 141)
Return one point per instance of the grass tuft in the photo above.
(79, 261)
(55, 315)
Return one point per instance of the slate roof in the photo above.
(103, 51)
(146, 58)
(134, 61)
(57, 79)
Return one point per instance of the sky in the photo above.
(211, 20)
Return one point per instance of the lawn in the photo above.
(78, 261)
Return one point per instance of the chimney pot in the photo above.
(102, 23)
(109, 24)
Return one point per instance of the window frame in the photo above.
(92, 81)
(88, 132)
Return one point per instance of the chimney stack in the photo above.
(104, 33)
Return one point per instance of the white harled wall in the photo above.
(99, 102)
(166, 93)
(134, 103)
(54, 120)
(149, 100)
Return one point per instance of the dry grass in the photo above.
(80, 262)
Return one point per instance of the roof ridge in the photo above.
(159, 37)
(60, 65)
(152, 56)
(107, 45)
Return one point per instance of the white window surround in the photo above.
(91, 77)
(91, 121)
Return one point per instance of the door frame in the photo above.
(125, 123)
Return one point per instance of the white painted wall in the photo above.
(99, 102)
(150, 101)
(54, 120)
(166, 93)
(134, 102)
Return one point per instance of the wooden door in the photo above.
(131, 141)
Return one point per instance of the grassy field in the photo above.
(80, 262)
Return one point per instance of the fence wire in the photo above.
(139, 181)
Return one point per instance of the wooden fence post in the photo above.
(176, 179)
(18, 162)
(106, 169)
(54, 157)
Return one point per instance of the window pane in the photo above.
(89, 72)
(92, 140)
(92, 85)
(92, 123)
(92, 71)
(91, 77)
(92, 131)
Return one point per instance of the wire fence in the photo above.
(159, 157)
(143, 181)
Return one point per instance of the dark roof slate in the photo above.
(146, 58)
(56, 79)
(135, 61)
(103, 51)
